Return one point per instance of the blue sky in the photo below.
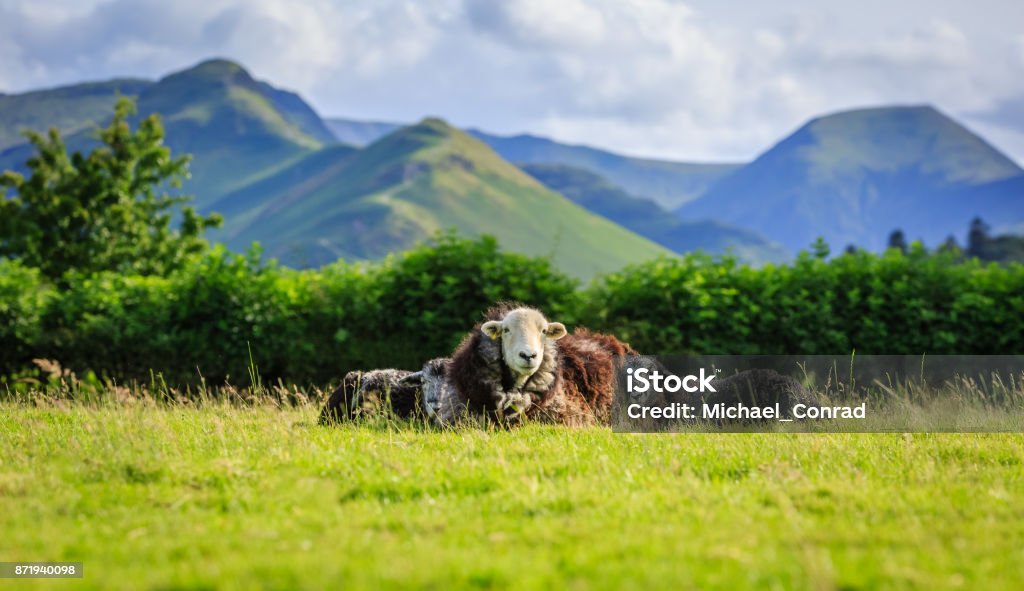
(701, 80)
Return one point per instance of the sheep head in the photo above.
(523, 333)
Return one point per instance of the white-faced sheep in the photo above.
(517, 364)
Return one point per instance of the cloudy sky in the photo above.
(699, 80)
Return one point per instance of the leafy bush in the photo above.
(23, 298)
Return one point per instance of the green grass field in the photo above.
(169, 497)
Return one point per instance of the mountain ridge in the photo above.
(417, 181)
(852, 176)
(214, 110)
(669, 183)
(647, 218)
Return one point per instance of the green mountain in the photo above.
(853, 177)
(650, 220)
(668, 183)
(298, 113)
(230, 124)
(408, 185)
(236, 128)
(266, 159)
(69, 108)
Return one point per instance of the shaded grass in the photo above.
(152, 496)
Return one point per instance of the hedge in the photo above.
(226, 312)
(915, 303)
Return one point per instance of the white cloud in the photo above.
(540, 25)
(708, 80)
(939, 44)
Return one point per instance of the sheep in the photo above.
(409, 394)
(363, 391)
(439, 402)
(516, 366)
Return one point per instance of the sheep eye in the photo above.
(506, 331)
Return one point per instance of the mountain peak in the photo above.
(436, 124)
(896, 137)
(428, 133)
(217, 103)
(212, 73)
(855, 175)
(217, 66)
(921, 115)
(883, 110)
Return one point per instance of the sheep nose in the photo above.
(527, 356)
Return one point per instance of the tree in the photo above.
(820, 248)
(108, 210)
(978, 239)
(898, 241)
(950, 245)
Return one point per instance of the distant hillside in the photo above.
(68, 108)
(852, 177)
(405, 187)
(669, 183)
(236, 128)
(648, 219)
(298, 113)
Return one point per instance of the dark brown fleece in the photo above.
(573, 385)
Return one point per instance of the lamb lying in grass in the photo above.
(517, 365)
(406, 393)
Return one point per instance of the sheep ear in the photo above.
(492, 328)
(413, 379)
(555, 331)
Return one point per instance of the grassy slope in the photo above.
(69, 108)
(647, 218)
(670, 184)
(241, 207)
(413, 183)
(261, 498)
(298, 113)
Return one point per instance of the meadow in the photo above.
(153, 495)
